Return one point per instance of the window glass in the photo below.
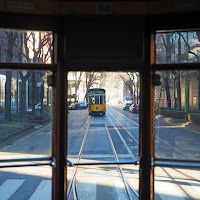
(177, 47)
(97, 99)
(26, 46)
(177, 115)
(102, 134)
(176, 183)
(101, 99)
(26, 109)
(26, 183)
(92, 99)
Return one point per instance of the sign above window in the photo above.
(104, 9)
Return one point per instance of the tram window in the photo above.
(26, 113)
(33, 182)
(177, 133)
(101, 99)
(91, 99)
(96, 99)
(103, 133)
(26, 107)
(177, 130)
(28, 46)
(183, 47)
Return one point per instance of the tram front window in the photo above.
(92, 100)
(101, 99)
(96, 99)
(103, 137)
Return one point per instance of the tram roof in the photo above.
(96, 91)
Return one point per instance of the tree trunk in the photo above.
(178, 76)
(168, 47)
(8, 96)
(166, 81)
(23, 98)
(48, 97)
(8, 78)
(42, 97)
(17, 94)
(178, 91)
(198, 90)
(33, 94)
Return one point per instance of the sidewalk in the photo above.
(181, 122)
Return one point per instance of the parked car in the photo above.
(74, 106)
(134, 108)
(38, 106)
(126, 106)
(83, 105)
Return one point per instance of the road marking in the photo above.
(99, 156)
(165, 187)
(120, 190)
(126, 117)
(87, 189)
(9, 187)
(43, 191)
(123, 141)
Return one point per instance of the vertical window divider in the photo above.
(146, 146)
(59, 171)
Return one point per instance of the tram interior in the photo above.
(143, 56)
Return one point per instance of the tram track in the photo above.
(129, 189)
(131, 193)
(72, 188)
(163, 141)
(72, 191)
(189, 194)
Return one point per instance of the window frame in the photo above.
(40, 23)
(170, 25)
(151, 25)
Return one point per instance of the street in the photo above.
(32, 183)
(109, 139)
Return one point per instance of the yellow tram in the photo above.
(97, 101)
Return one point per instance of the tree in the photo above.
(77, 82)
(190, 51)
(168, 44)
(132, 82)
(128, 79)
(11, 36)
(198, 74)
(29, 40)
(91, 79)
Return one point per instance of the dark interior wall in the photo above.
(175, 21)
(104, 40)
(28, 21)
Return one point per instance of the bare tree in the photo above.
(39, 55)
(91, 79)
(132, 82)
(128, 79)
(168, 44)
(11, 36)
(77, 83)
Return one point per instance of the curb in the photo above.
(16, 133)
(186, 123)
